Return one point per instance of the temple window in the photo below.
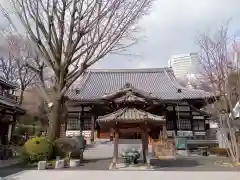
(198, 125)
(87, 122)
(184, 124)
(170, 125)
(73, 124)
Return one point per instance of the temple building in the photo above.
(9, 110)
(132, 97)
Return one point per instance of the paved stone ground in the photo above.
(120, 175)
(192, 164)
(99, 157)
(93, 164)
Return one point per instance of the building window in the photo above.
(198, 125)
(87, 122)
(73, 124)
(170, 125)
(184, 124)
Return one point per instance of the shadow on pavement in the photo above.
(156, 163)
(96, 160)
(93, 164)
(9, 170)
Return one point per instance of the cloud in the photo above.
(172, 28)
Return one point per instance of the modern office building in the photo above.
(185, 65)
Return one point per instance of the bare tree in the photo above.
(13, 64)
(218, 65)
(8, 69)
(72, 35)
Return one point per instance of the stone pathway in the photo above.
(120, 175)
(94, 164)
(8, 162)
(104, 149)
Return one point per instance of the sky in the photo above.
(172, 28)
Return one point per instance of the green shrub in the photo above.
(65, 146)
(37, 149)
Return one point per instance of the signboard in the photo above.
(86, 134)
(181, 142)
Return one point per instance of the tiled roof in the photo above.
(160, 83)
(127, 90)
(7, 83)
(11, 105)
(129, 114)
(129, 97)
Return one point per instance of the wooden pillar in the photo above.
(92, 128)
(111, 134)
(143, 147)
(164, 131)
(175, 121)
(80, 120)
(115, 152)
(144, 143)
(98, 130)
(13, 125)
(192, 123)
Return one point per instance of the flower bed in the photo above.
(131, 156)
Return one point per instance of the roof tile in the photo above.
(159, 82)
(129, 114)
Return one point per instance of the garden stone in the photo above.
(74, 162)
(59, 164)
(42, 165)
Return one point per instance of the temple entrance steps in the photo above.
(104, 148)
(164, 148)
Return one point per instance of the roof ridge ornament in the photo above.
(77, 91)
(179, 90)
(128, 85)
